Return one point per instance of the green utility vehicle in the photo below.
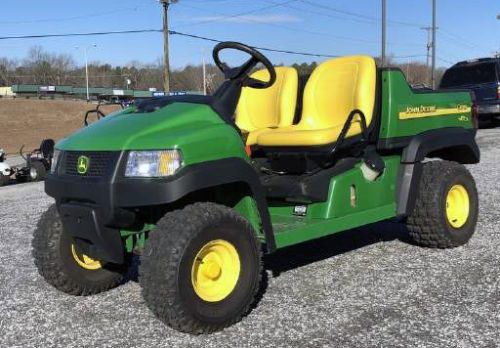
(203, 186)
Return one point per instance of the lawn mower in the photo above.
(5, 169)
(38, 162)
(203, 186)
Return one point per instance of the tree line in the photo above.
(46, 68)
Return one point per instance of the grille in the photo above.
(100, 163)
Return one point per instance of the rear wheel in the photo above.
(446, 209)
(201, 268)
(65, 267)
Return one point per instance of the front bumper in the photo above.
(95, 209)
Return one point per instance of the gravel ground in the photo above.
(361, 288)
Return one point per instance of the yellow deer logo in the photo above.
(83, 165)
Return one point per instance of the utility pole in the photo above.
(204, 71)
(433, 72)
(384, 30)
(85, 53)
(429, 47)
(166, 60)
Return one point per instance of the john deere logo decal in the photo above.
(83, 165)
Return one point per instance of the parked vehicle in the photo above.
(202, 193)
(5, 169)
(38, 162)
(482, 77)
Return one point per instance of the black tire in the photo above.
(429, 224)
(4, 180)
(168, 259)
(55, 262)
(486, 122)
(21, 179)
(39, 169)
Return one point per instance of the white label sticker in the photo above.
(300, 210)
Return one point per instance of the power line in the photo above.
(444, 60)
(329, 35)
(453, 38)
(325, 14)
(173, 32)
(241, 14)
(98, 33)
(357, 15)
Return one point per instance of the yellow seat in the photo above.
(335, 88)
(262, 110)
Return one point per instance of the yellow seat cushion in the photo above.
(335, 88)
(304, 137)
(269, 108)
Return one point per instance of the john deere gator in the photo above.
(203, 186)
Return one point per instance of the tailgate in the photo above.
(484, 92)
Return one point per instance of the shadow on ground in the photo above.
(296, 256)
(303, 254)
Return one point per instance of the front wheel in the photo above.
(201, 268)
(446, 209)
(37, 171)
(65, 267)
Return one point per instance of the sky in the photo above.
(467, 29)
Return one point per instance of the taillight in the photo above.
(475, 115)
(498, 92)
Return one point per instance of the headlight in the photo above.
(55, 160)
(153, 164)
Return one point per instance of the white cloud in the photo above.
(252, 19)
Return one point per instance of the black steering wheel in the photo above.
(242, 72)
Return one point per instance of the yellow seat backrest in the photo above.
(270, 107)
(335, 88)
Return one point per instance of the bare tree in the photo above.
(7, 69)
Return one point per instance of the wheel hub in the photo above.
(33, 173)
(457, 206)
(215, 270)
(85, 261)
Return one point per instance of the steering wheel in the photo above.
(242, 72)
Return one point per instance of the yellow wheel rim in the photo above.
(457, 206)
(215, 271)
(85, 261)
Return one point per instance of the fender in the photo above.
(453, 144)
(196, 177)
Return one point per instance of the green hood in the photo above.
(194, 128)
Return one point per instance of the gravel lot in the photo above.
(362, 288)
